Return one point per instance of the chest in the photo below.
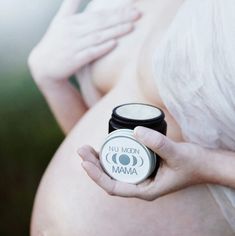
(132, 58)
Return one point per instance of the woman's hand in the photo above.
(182, 165)
(74, 40)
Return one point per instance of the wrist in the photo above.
(211, 167)
(42, 80)
(47, 86)
(202, 162)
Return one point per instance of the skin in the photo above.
(183, 165)
(71, 42)
(68, 202)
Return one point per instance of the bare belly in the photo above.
(68, 203)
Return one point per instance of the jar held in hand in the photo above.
(122, 156)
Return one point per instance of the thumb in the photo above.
(156, 141)
(68, 7)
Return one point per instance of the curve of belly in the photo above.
(69, 203)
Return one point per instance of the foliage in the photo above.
(28, 138)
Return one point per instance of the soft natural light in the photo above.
(22, 22)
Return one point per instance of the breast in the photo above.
(135, 51)
(108, 70)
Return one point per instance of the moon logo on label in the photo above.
(124, 159)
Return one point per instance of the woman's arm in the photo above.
(219, 168)
(65, 102)
(71, 42)
(183, 165)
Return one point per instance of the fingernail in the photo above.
(141, 132)
(80, 152)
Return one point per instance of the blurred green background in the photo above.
(29, 135)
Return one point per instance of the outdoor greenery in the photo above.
(29, 137)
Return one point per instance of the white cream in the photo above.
(138, 112)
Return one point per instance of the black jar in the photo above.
(122, 156)
(131, 115)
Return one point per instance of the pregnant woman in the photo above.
(176, 55)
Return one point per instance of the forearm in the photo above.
(65, 102)
(219, 168)
(71, 42)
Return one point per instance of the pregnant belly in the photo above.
(69, 203)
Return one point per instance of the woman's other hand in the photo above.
(76, 39)
(182, 165)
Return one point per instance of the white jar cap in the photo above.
(125, 159)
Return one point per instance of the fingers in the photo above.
(111, 186)
(90, 54)
(104, 20)
(156, 141)
(105, 35)
(110, 19)
(98, 176)
(87, 153)
(91, 165)
(68, 7)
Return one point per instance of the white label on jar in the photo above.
(125, 159)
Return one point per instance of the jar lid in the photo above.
(125, 159)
